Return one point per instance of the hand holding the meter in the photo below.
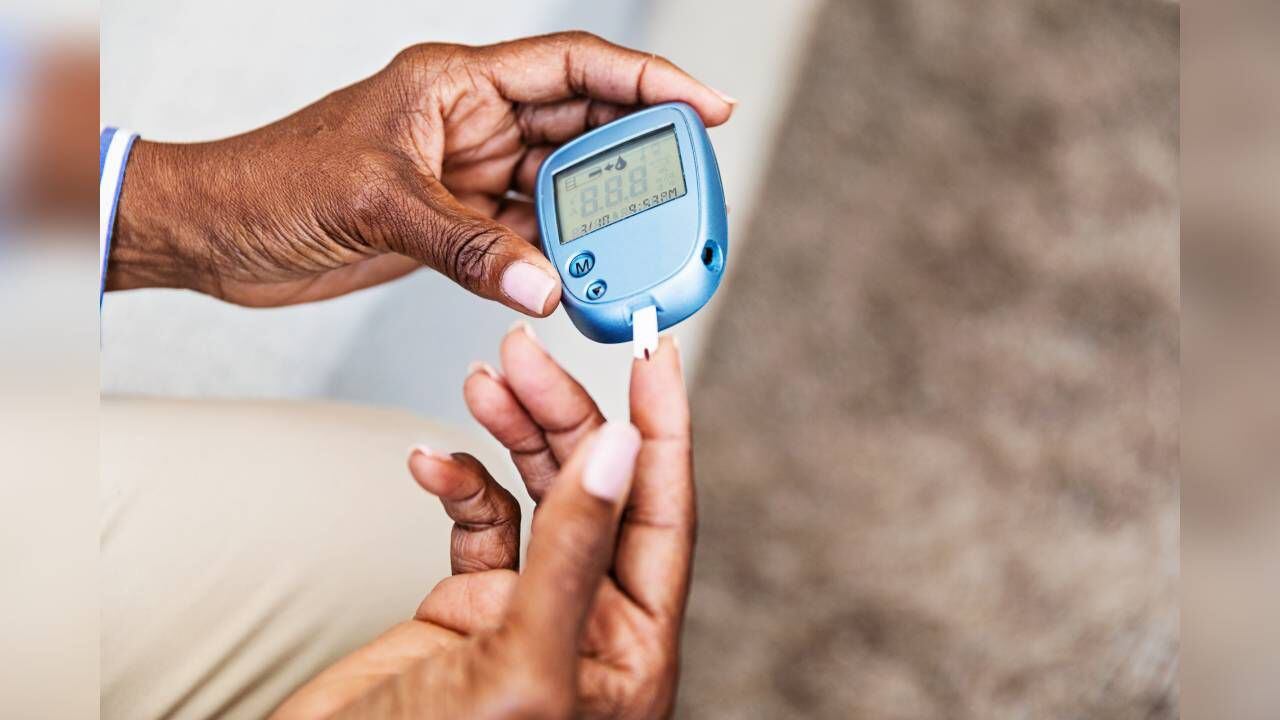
(413, 166)
(591, 626)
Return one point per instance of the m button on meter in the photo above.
(581, 264)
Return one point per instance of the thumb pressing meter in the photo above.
(633, 217)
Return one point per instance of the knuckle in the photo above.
(579, 37)
(425, 52)
(510, 555)
(468, 552)
(505, 504)
(467, 250)
(435, 67)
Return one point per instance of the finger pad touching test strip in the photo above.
(633, 217)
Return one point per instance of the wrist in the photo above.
(161, 229)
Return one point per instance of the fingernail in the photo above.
(484, 367)
(528, 285)
(524, 327)
(426, 452)
(725, 97)
(612, 462)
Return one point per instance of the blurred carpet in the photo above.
(938, 420)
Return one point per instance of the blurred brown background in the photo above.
(938, 418)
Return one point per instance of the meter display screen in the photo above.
(617, 183)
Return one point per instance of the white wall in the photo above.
(188, 70)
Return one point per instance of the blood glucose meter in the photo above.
(633, 217)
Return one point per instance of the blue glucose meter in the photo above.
(632, 216)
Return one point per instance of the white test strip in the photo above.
(644, 332)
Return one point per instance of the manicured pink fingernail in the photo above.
(528, 285)
(612, 462)
(484, 367)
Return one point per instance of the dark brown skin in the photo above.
(591, 627)
(417, 166)
(413, 166)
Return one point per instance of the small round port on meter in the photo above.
(712, 257)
